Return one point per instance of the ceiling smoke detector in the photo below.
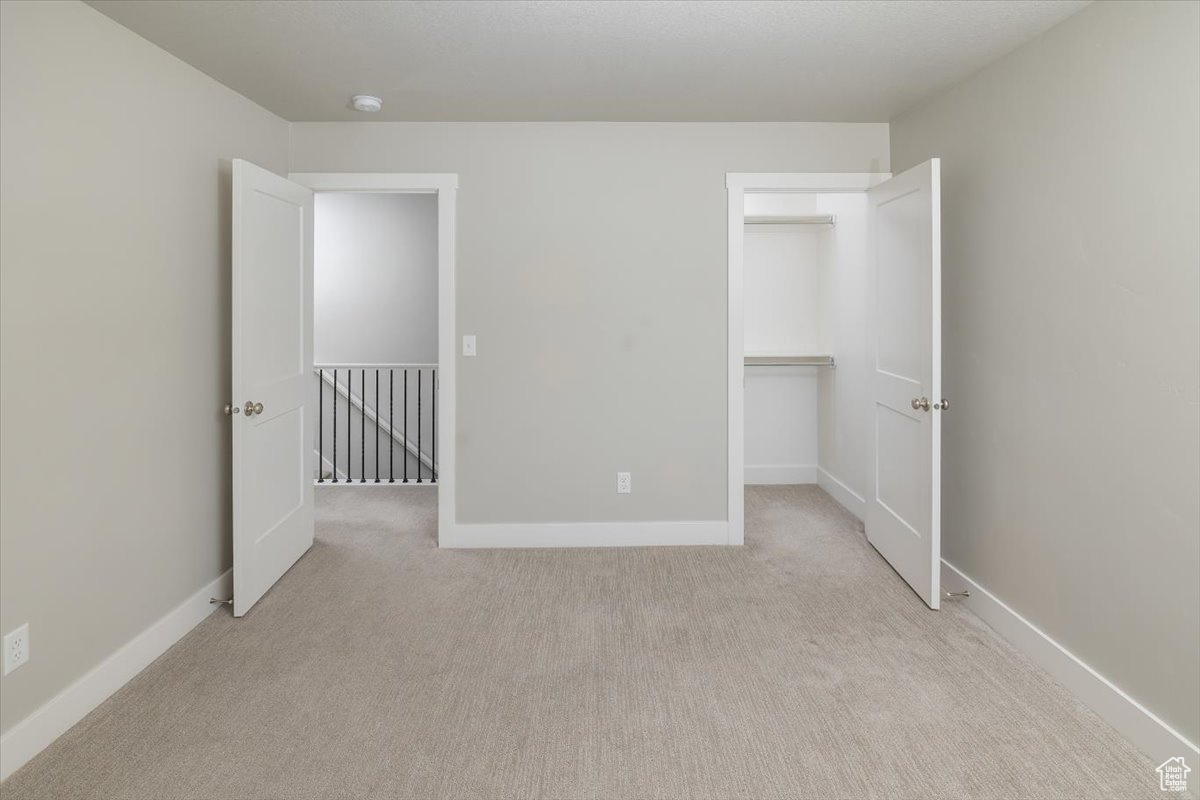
(367, 103)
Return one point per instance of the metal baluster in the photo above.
(433, 387)
(335, 480)
(349, 420)
(406, 424)
(320, 426)
(418, 424)
(391, 424)
(377, 426)
(362, 432)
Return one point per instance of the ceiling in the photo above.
(722, 61)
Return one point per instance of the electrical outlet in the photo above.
(624, 483)
(16, 648)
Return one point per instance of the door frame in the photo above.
(738, 185)
(445, 186)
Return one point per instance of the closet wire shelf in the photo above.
(790, 361)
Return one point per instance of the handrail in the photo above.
(373, 366)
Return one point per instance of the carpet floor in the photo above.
(797, 666)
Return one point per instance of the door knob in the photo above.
(920, 403)
(942, 406)
(231, 409)
(253, 408)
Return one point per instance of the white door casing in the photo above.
(272, 356)
(904, 482)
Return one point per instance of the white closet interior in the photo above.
(805, 312)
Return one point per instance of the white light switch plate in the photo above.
(16, 648)
(468, 345)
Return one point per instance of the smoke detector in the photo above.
(367, 103)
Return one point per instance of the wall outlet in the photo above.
(624, 483)
(16, 648)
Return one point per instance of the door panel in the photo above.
(904, 503)
(272, 348)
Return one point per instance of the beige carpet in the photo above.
(797, 666)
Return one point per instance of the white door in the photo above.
(904, 503)
(272, 358)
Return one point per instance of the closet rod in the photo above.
(789, 361)
(827, 219)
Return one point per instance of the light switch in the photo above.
(469, 345)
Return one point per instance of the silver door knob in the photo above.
(253, 408)
(231, 409)
(944, 405)
(920, 403)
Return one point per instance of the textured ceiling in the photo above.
(753, 61)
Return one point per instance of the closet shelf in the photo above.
(790, 361)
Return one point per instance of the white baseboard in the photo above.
(37, 731)
(1130, 718)
(779, 474)
(849, 499)
(588, 534)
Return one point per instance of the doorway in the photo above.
(384, 360)
(278, 439)
(375, 329)
(834, 327)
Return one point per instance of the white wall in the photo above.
(1071, 268)
(779, 289)
(375, 278)
(114, 334)
(843, 393)
(781, 425)
(591, 263)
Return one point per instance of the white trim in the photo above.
(779, 474)
(737, 185)
(376, 181)
(1129, 717)
(590, 534)
(735, 435)
(342, 485)
(804, 181)
(333, 470)
(446, 187)
(37, 731)
(846, 497)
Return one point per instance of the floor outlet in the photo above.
(16, 648)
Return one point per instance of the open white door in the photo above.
(904, 503)
(272, 358)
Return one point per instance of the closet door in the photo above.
(904, 497)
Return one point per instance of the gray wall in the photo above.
(375, 283)
(591, 262)
(114, 334)
(1072, 339)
